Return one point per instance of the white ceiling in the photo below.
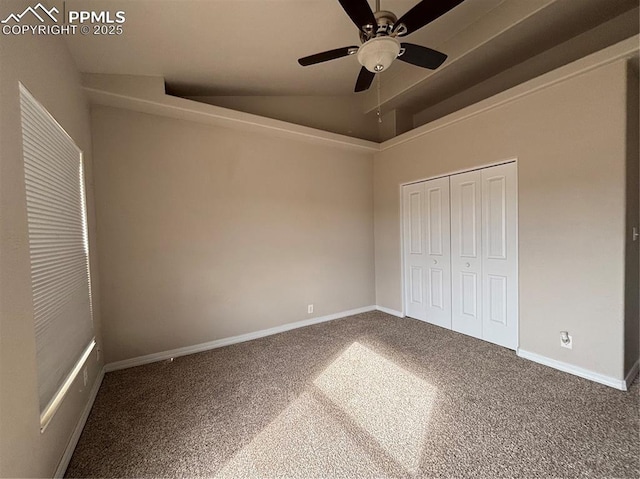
(250, 47)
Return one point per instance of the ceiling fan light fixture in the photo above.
(377, 54)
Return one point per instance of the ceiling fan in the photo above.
(379, 34)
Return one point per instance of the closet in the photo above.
(460, 253)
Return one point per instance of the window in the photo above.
(59, 250)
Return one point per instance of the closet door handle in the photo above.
(435, 261)
(468, 265)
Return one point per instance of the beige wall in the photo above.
(569, 139)
(44, 66)
(632, 253)
(207, 232)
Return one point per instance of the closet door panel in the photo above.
(466, 248)
(438, 249)
(414, 250)
(499, 255)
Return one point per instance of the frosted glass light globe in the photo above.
(377, 54)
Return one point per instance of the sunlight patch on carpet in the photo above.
(391, 404)
(303, 441)
(378, 426)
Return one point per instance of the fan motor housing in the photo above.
(385, 21)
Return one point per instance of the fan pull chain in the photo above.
(378, 112)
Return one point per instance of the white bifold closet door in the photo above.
(484, 288)
(461, 253)
(428, 251)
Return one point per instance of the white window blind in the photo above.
(59, 248)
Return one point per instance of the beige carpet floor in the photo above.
(367, 396)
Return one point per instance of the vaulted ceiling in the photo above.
(238, 48)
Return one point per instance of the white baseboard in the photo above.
(633, 372)
(218, 343)
(575, 370)
(392, 312)
(73, 442)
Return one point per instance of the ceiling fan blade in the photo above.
(359, 11)
(365, 78)
(422, 56)
(326, 56)
(425, 12)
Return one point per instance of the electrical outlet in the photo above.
(566, 341)
(310, 309)
(85, 376)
